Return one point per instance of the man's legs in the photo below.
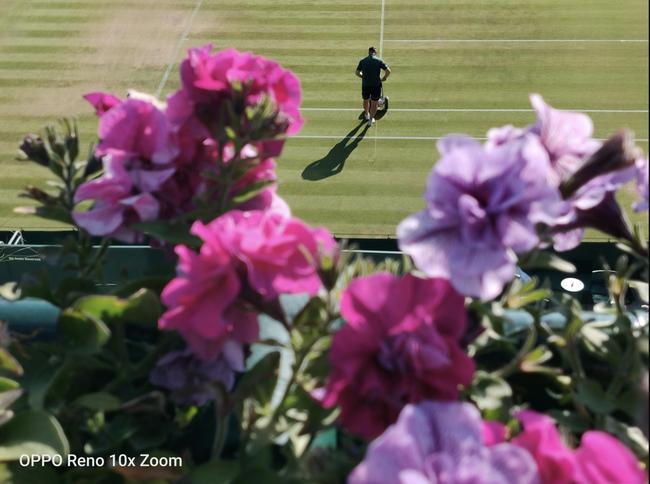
(374, 97)
(365, 95)
(373, 109)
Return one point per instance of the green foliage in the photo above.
(32, 433)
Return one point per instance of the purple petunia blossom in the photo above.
(441, 442)
(482, 206)
(642, 184)
(567, 137)
(189, 379)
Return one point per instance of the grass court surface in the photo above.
(458, 66)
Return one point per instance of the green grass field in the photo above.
(458, 66)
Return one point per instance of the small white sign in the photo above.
(572, 284)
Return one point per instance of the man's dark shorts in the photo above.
(371, 92)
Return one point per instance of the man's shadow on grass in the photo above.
(333, 162)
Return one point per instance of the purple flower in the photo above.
(584, 169)
(642, 184)
(441, 442)
(190, 379)
(482, 206)
(565, 135)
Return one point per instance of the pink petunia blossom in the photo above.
(540, 437)
(278, 254)
(202, 300)
(246, 258)
(209, 77)
(115, 206)
(601, 459)
(493, 432)
(102, 101)
(137, 148)
(138, 128)
(400, 345)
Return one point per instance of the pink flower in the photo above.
(540, 437)
(246, 258)
(277, 254)
(202, 300)
(493, 432)
(601, 459)
(136, 147)
(400, 345)
(102, 101)
(117, 204)
(208, 77)
(139, 129)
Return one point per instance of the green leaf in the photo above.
(143, 307)
(169, 232)
(216, 471)
(534, 360)
(258, 378)
(7, 384)
(154, 283)
(259, 474)
(599, 343)
(9, 396)
(9, 363)
(83, 331)
(32, 432)
(570, 420)
(592, 395)
(312, 315)
(30, 475)
(101, 401)
(71, 288)
(250, 192)
(546, 260)
(492, 394)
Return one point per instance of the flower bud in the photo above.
(39, 195)
(617, 153)
(34, 148)
(605, 217)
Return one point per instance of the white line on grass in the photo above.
(470, 110)
(406, 138)
(478, 41)
(381, 30)
(177, 49)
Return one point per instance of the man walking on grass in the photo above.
(369, 70)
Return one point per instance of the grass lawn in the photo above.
(458, 66)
